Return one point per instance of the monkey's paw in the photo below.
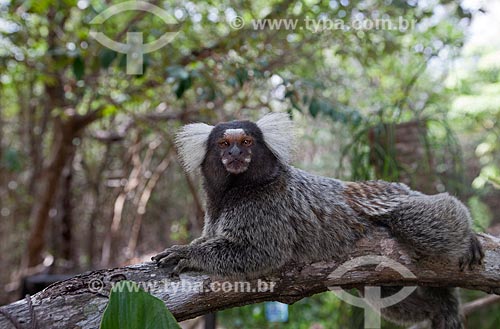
(474, 255)
(175, 259)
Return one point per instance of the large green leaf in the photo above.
(130, 307)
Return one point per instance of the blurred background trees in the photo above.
(88, 173)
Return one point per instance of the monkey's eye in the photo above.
(223, 144)
(247, 142)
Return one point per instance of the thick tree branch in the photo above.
(73, 303)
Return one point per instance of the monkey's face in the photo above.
(235, 147)
(237, 153)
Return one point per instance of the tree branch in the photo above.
(73, 303)
(480, 303)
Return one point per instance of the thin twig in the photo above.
(34, 323)
(480, 303)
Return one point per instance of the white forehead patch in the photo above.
(233, 132)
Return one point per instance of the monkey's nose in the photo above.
(235, 151)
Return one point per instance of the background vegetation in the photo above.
(88, 173)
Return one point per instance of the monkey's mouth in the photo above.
(236, 166)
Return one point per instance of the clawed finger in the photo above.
(167, 252)
(170, 260)
(161, 255)
(179, 268)
(474, 255)
(477, 253)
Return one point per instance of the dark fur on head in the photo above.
(263, 166)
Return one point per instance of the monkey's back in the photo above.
(324, 225)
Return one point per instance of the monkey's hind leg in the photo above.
(440, 306)
(437, 225)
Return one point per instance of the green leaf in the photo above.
(480, 213)
(327, 109)
(106, 57)
(109, 110)
(241, 75)
(183, 85)
(355, 118)
(290, 94)
(40, 6)
(495, 181)
(78, 67)
(70, 3)
(130, 307)
(184, 78)
(146, 62)
(122, 64)
(314, 107)
(12, 160)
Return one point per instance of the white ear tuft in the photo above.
(191, 142)
(279, 135)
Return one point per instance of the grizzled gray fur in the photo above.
(263, 213)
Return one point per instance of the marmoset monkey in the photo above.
(263, 213)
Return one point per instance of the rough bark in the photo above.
(73, 304)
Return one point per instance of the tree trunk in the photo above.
(67, 213)
(78, 302)
(62, 149)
